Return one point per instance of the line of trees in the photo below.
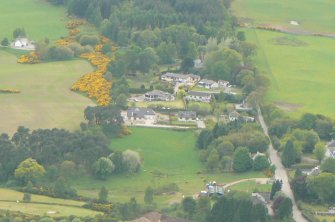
(229, 147)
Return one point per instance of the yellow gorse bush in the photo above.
(94, 84)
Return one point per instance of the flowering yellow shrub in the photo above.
(9, 91)
(74, 32)
(30, 58)
(74, 23)
(94, 84)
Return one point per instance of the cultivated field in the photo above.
(45, 100)
(301, 69)
(42, 205)
(39, 18)
(169, 156)
(310, 14)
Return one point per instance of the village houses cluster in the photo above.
(199, 91)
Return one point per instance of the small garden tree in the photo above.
(149, 195)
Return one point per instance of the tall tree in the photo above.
(289, 154)
(276, 186)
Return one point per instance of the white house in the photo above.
(208, 84)
(23, 43)
(199, 96)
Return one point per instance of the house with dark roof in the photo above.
(199, 96)
(138, 113)
(187, 116)
(208, 84)
(157, 95)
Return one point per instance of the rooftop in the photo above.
(201, 94)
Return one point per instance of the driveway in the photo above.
(281, 172)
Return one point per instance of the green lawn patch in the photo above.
(169, 156)
(39, 18)
(46, 100)
(251, 186)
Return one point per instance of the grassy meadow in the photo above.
(41, 205)
(39, 18)
(169, 156)
(300, 69)
(45, 100)
(312, 15)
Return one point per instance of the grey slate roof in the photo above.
(187, 114)
(139, 112)
(200, 94)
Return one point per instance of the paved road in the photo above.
(281, 172)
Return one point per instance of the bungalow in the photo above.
(199, 96)
(208, 84)
(187, 116)
(233, 116)
(180, 78)
(157, 95)
(136, 113)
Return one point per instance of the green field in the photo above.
(300, 69)
(39, 18)
(169, 156)
(42, 205)
(312, 15)
(45, 100)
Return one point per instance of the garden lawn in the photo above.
(301, 70)
(251, 186)
(39, 18)
(45, 100)
(312, 15)
(169, 156)
(41, 205)
(175, 104)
